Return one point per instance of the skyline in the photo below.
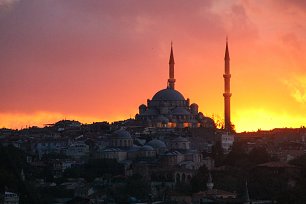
(98, 61)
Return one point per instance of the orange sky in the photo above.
(99, 60)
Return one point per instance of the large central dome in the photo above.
(168, 95)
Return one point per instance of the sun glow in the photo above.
(263, 119)
(40, 119)
(105, 59)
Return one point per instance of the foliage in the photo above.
(183, 188)
(198, 182)
(95, 168)
(47, 157)
(238, 157)
(217, 153)
(299, 161)
(137, 186)
(259, 155)
(12, 160)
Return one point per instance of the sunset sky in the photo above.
(97, 60)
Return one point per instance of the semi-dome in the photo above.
(180, 111)
(146, 148)
(122, 134)
(168, 95)
(157, 144)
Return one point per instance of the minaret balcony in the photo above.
(227, 76)
(227, 94)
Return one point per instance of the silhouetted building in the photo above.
(11, 198)
(169, 108)
(212, 195)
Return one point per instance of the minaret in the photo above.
(246, 196)
(227, 90)
(209, 184)
(171, 79)
(22, 175)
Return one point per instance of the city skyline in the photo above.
(98, 61)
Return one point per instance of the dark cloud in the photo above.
(297, 4)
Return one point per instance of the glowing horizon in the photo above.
(99, 61)
(40, 119)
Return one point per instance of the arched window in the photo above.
(188, 178)
(178, 178)
(183, 177)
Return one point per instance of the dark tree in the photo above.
(138, 187)
(198, 182)
(217, 153)
(238, 157)
(96, 168)
(259, 155)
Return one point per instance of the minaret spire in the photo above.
(227, 90)
(171, 79)
(226, 57)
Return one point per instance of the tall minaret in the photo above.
(227, 90)
(171, 79)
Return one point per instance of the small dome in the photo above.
(208, 122)
(132, 200)
(143, 106)
(201, 116)
(122, 134)
(146, 148)
(194, 105)
(156, 144)
(168, 95)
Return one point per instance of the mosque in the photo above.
(168, 108)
